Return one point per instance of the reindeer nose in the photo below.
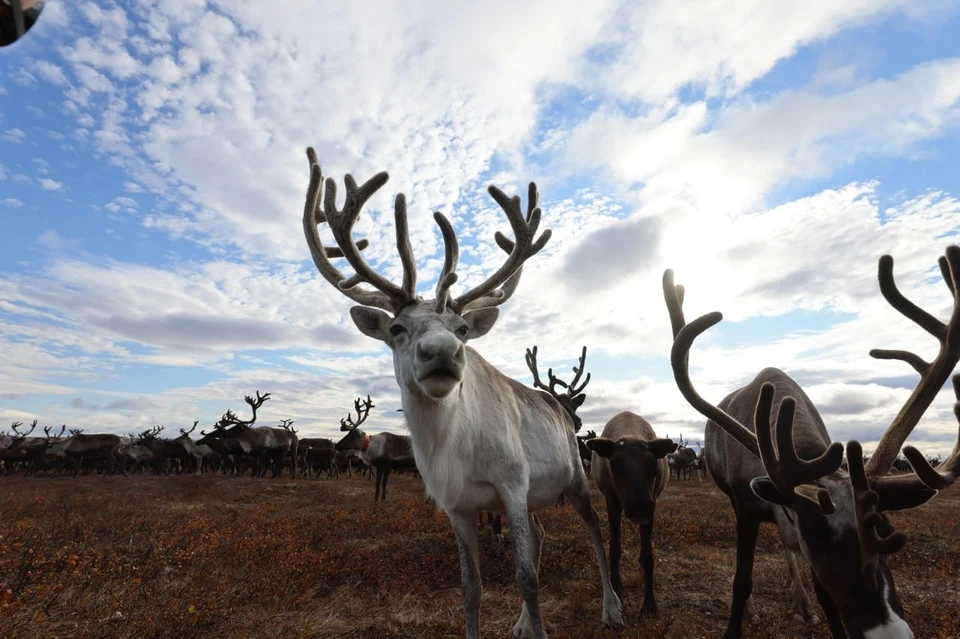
(440, 345)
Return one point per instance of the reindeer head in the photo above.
(839, 515)
(574, 397)
(20, 437)
(634, 463)
(428, 337)
(230, 423)
(355, 437)
(287, 425)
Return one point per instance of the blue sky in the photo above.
(152, 173)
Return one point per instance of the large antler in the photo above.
(499, 287)
(75, 431)
(933, 375)
(186, 433)
(287, 425)
(790, 474)
(230, 418)
(16, 425)
(574, 394)
(48, 429)
(387, 296)
(363, 411)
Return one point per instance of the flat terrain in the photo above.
(215, 556)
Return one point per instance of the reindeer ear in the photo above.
(480, 321)
(662, 447)
(765, 489)
(601, 446)
(372, 322)
(577, 401)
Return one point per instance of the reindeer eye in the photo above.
(396, 330)
(462, 331)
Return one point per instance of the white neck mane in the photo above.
(440, 436)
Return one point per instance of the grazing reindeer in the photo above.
(384, 451)
(262, 441)
(481, 441)
(785, 466)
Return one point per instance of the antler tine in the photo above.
(865, 506)
(531, 358)
(192, 428)
(947, 471)
(524, 247)
(784, 467)
(684, 335)
(387, 296)
(572, 389)
(451, 256)
(63, 429)
(932, 375)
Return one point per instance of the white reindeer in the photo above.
(481, 441)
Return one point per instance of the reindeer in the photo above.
(262, 441)
(629, 465)
(383, 451)
(481, 441)
(79, 448)
(783, 468)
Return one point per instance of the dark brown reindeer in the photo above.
(80, 448)
(261, 442)
(629, 466)
(316, 453)
(784, 464)
(383, 451)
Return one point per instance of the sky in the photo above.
(153, 173)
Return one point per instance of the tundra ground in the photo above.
(216, 556)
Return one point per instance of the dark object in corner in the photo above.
(15, 20)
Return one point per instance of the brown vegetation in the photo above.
(215, 556)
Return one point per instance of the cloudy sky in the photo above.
(152, 176)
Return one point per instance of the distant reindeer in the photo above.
(481, 441)
(782, 467)
(383, 451)
(262, 442)
(79, 448)
(684, 460)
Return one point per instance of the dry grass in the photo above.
(225, 557)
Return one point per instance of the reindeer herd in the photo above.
(485, 443)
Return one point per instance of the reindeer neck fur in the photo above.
(441, 435)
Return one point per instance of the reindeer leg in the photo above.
(748, 526)
(383, 489)
(802, 606)
(466, 534)
(523, 555)
(579, 495)
(524, 625)
(646, 546)
(614, 516)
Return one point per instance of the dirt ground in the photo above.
(216, 556)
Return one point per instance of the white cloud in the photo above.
(660, 47)
(50, 185)
(51, 73)
(15, 136)
(11, 202)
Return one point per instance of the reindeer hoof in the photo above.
(613, 613)
(814, 620)
(755, 619)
